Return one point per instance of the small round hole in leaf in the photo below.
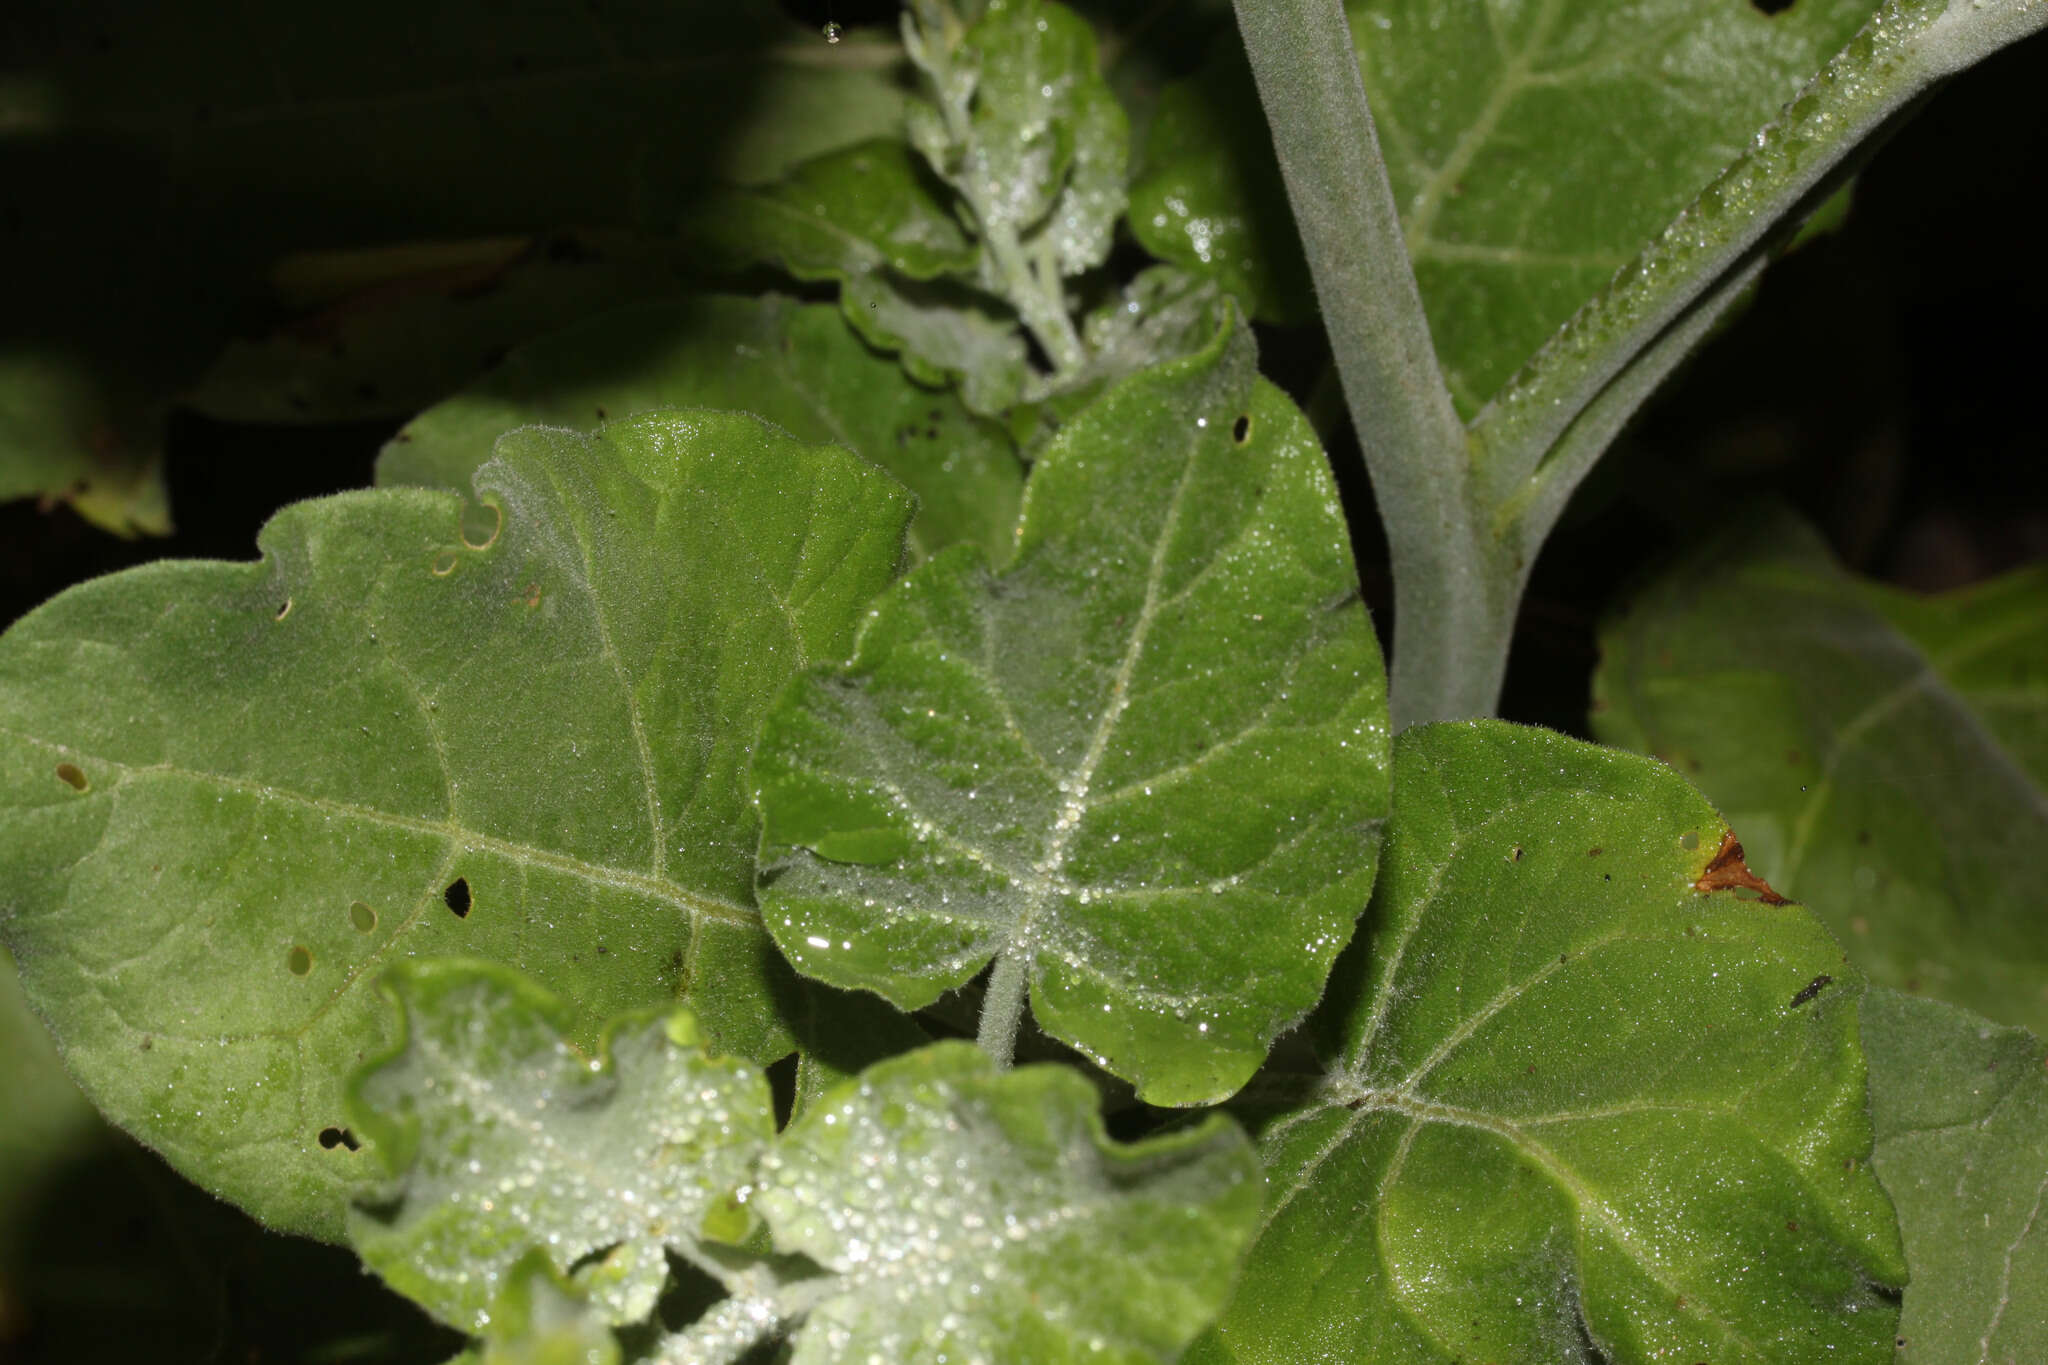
(284, 609)
(73, 776)
(1689, 840)
(444, 564)
(332, 1137)
(299, 960)
(1241, 430)
(457, 897)
(1773, 6)
(480, 525)
(362, 917)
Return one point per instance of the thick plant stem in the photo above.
(1450, 616)
(1002, 1009)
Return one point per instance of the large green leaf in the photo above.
(1534, 148)
(234, 791)
(166, 154)
(1143, 764)
(1577, 1107)
(978, 1216)
(1961, 1111)
(507, 1139)
(794, 364)
(1882, 754)
(930, 1209)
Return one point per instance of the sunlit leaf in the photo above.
(1885, 755)
(514, 729)
(1144, 763)
(1577, 1107)
(1961, 1110)
(977, 1216)
(794, 364)
(507, 1140)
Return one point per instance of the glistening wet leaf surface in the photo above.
(1144, 763)
(1577, 1109)
(517, 734)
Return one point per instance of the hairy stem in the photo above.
(1002, 1009)
(1450, 613)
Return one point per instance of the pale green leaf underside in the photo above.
(1147, 758)
(235, 791)
(1883, 755)
(1574, 1102)
(1961, 1111)
(1040, 145)
(1535, 146)
(507, 1139)
(972, 1215)
(794, 364)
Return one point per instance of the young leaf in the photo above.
(1961, 1112)
(1143, 765)
(1882, 754)
(1533, 149)
(1021, 123)
(872, 206)
(505, 1139)
(971, 1215)
(794, 364)
(515, 732)
(1581, 1106)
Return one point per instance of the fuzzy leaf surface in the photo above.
(505, 1138)
(1533, 149)
(1576, 1108)
(861, 208)
(1147, 757)
(794, 364)
(975, 1215)
(515, 731)
(1961, 1110)
(1885, 755)
(1023, 125)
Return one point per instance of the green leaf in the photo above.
(1533, 149)
(1023, 125)
(971, 1215)
(1143, 765)
(861, 208)
(1883, 755)
(793, 364)
(169, 175)
(1577, 1108)
(45, 1119)
(541, 1320)
(1961, 1111)
(945, 333)
(57, 446)
(1211, 199)
(1163, 314)
(506, 1138)
(233, 791)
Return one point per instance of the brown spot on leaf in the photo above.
(1729, 873)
